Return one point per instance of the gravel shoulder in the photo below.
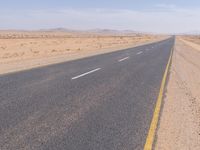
(179, 126)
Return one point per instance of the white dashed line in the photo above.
(123, 59)
(84, 74)
(139, 53)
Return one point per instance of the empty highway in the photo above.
(104, 102)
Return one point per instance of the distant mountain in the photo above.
(58, 30)
(194, 32)
(97, 31)
(111, 31)
(94, 31)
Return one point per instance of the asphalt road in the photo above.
(104, 102)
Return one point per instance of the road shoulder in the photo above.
(179, 122)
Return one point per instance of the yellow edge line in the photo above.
(154, 122)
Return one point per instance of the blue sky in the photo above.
(117, 4)
(164, 16)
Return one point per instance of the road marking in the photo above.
(84, 74)
(139, 53)
(154, 122)
(123, 59)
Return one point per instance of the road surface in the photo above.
(104, 102)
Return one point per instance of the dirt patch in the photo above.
(179, 126)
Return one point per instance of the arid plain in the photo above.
(179, 125)
(21, 50)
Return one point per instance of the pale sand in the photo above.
(179, 127)
(193, 42)
(25, 50)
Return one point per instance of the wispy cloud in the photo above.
(163, 6)
(161, 18)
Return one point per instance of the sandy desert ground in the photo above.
(179, 126)
(21, 50)
(192, 38)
